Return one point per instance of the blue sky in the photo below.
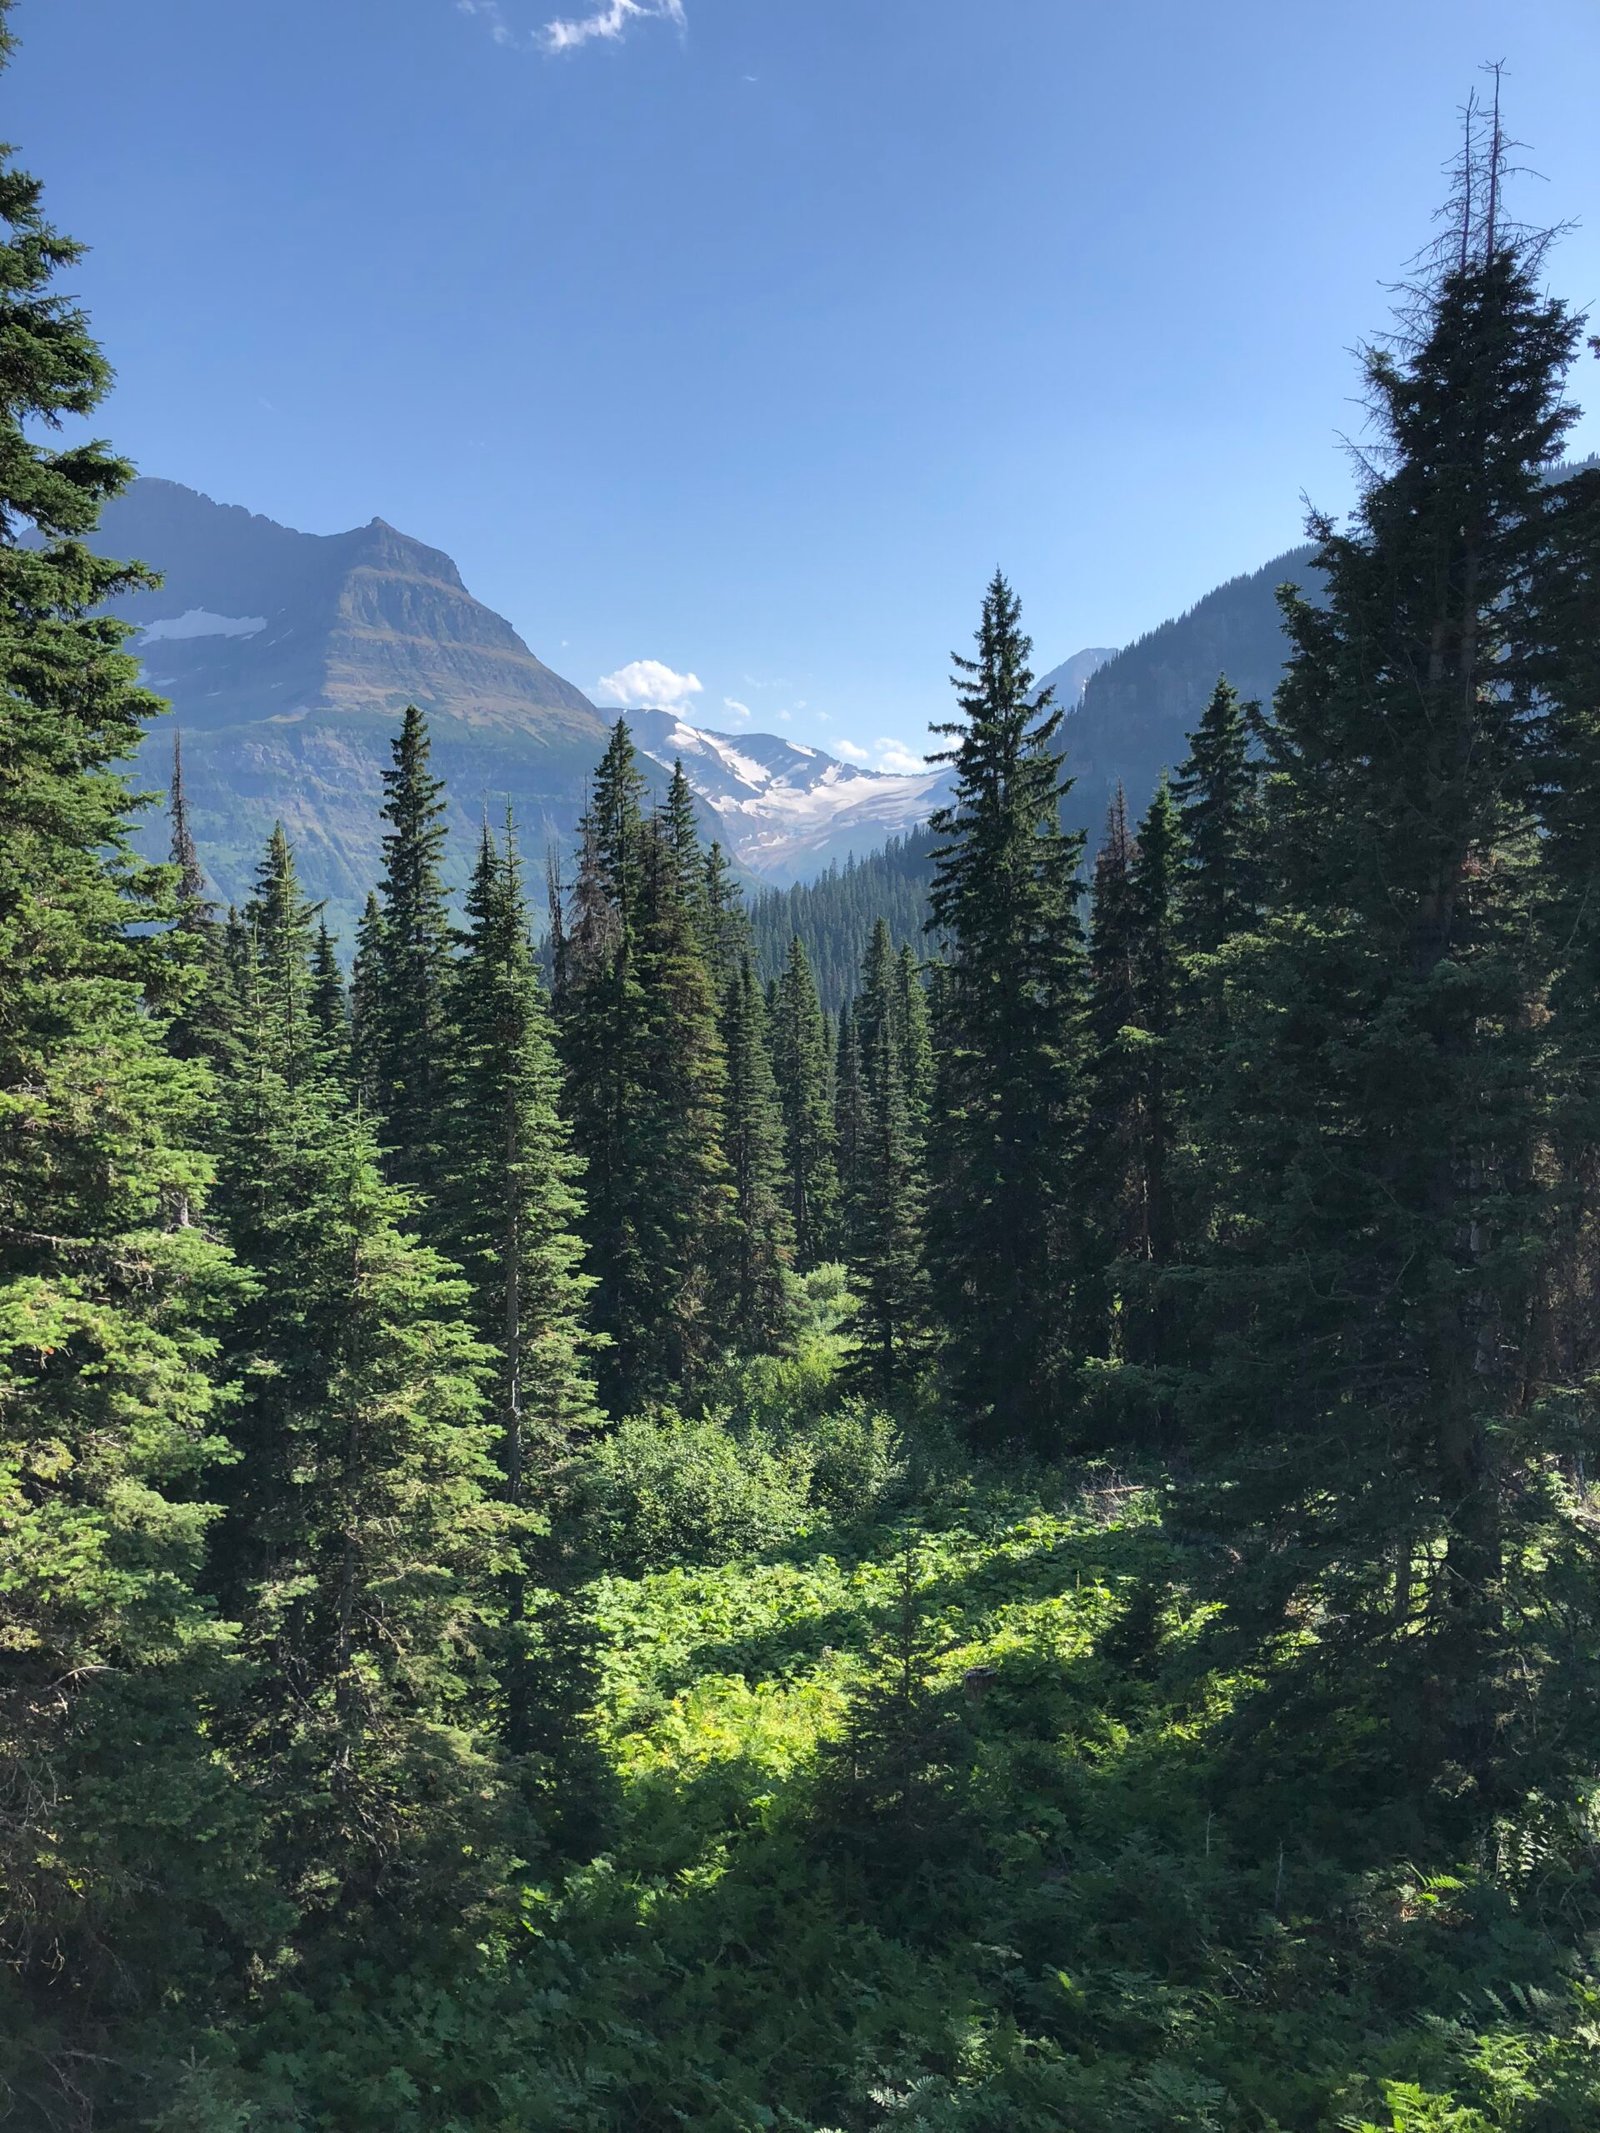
(748, 336)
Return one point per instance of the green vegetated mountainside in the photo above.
(1138, 709)
(835, 914)
(288, 659)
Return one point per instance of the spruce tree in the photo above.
(365, 983)
(203, 1011)
(1382, 1102)
(409, 1033)
(913, 1028)
(1112, 1137)
(510, 1217)
(123, 1836)
(1009, 1102)
(800, 1059)
(1219, 799)
(849, 1124)
(889, 1206)
(761, 1235)
(330, 1004)
(362, 1529)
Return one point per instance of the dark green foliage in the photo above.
(834, 915)
(1218, 791)
(403, 1019)
(761, 1234)
(888, 1205)
(803, 1074)
(203, 1012)
(122, 1845)
(330, 1005)
(362, 1534)
(510, 1214)
(1381, 1102)
(1010, 1099)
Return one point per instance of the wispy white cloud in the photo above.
(739, 710)
(899, 760)
(610, 19)
(492, 16)
(652, 683)
(853, 752)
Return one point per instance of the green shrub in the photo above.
(665, 1488)
(857, 1461)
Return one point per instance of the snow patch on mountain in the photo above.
(790, 810)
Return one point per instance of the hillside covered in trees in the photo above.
(989, 1526)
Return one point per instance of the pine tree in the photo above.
(849, 1124)
(671, 1321)
(203, 1007)
(1157, 861)
(1383, 1101)
(1010, 1098)
(726, 923)
(1218, 792)
(889, 1208)
(912, 1027)
(762, 1237)
(329, 1004)
(122, 1835)
(800, 1059)
(511, 1214)
(1111, 1141)
(409, 1033)
(365, 984)
(361, 1532)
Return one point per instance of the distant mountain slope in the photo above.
(1140, 707)
(1072, 677)
(288, 658)
(789, 810)
(835, 914)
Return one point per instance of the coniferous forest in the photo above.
(602, 1528)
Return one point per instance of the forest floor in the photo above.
(971, 1818)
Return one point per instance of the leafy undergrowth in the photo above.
(960, 1823)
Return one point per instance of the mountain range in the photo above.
(288, 658)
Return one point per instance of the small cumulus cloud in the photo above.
(853, 752)
(739, 710)
(650, 682)
(899, 760)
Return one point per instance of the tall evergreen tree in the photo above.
(725, 922)
(849, 1123)
(120, 1834)
(510, 1218)
(1219, 798)
(1383, 1101)
(362, 1531)
(412, 954)
(889, 1207)
(330, 1004)
(762, 1236)
(204, 1006)
(800, 1059)
(914, 1030)
(1010, 1098)
(365, 989)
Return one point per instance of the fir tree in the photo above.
(1010, 1097)
(1382, 1101)
(726, 924)
(889, 1204)
(1218, 794)
(329, 1004)
(510, 1217)
(204, 1009)
(365, 985)
(912, 1027)
(762, 1237)
(412, 976)
(800, 1059)
(849, 1123)
(121, 1834)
